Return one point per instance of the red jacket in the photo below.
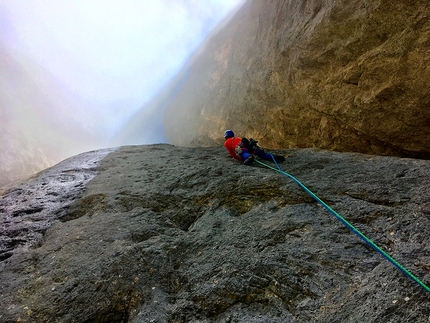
(231, 144)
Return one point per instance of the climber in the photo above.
(245, 150)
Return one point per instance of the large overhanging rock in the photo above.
(339, 75)
(169, 234)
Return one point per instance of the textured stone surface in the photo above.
(170, 234)
(28, 210)
(339, 75)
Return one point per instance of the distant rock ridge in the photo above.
(338, 75)
(36, 132)
(172, 234)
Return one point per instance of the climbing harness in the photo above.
(350, 226)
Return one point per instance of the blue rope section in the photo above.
(350, 226)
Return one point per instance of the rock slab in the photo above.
(170, 234)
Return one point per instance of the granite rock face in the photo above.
(169, 234)
(338, 75)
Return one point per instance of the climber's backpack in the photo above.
(250, 145)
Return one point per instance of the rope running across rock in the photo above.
(350, 226)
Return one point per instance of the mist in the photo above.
(75, 73)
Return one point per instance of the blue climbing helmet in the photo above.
(228, 134)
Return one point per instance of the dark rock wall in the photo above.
(170, 234)
(339, 75)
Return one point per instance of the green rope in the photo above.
(351, 227)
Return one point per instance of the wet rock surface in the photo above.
(169, 234)
(28, 210)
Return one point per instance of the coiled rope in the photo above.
(350, 226)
